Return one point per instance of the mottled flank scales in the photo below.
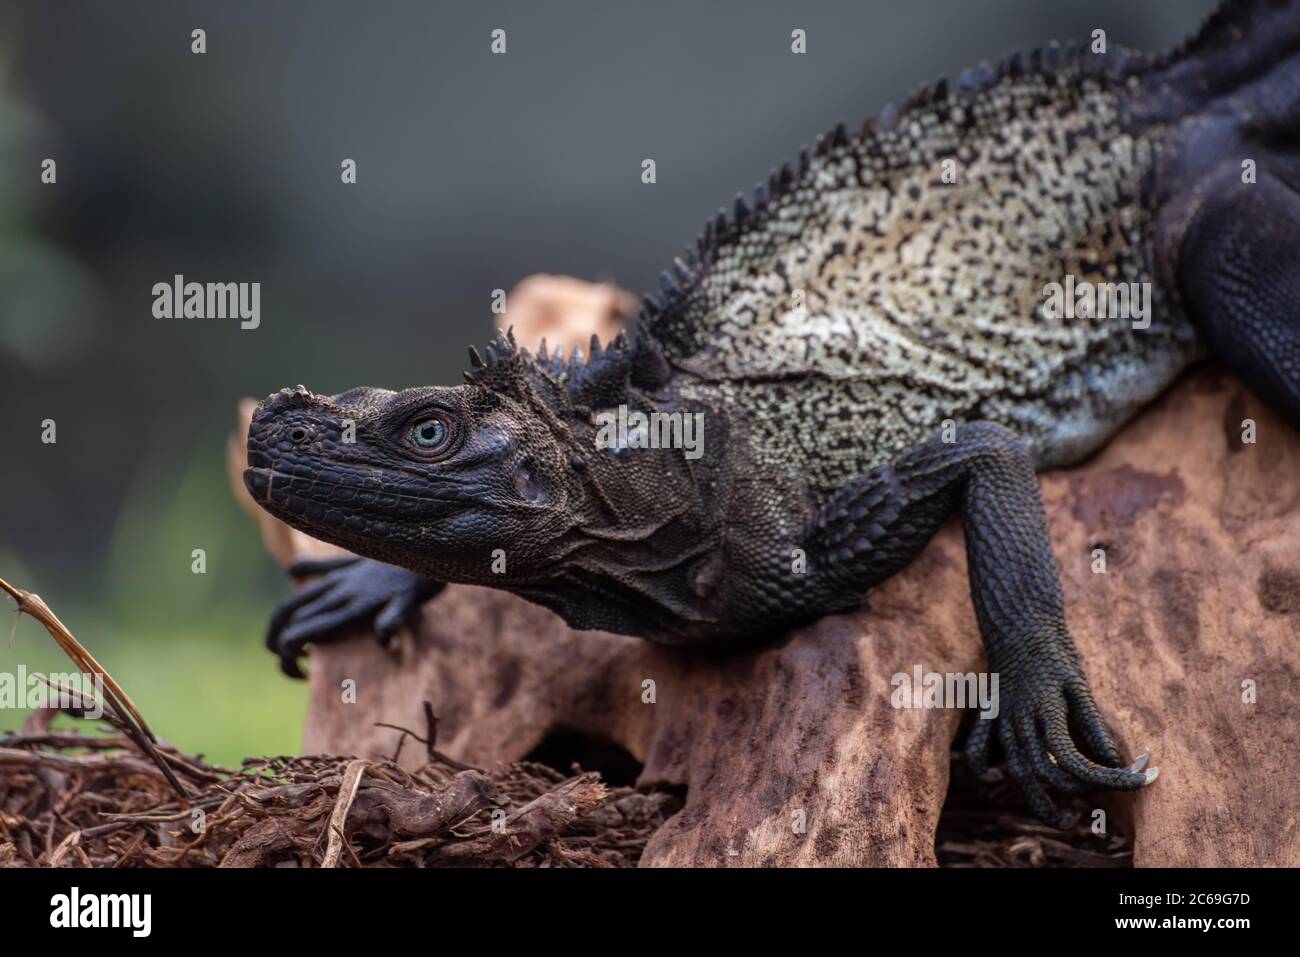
(923, 299)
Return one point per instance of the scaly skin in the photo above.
(867, 346)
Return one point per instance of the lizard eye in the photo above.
(429, 435)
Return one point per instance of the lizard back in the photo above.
(899, 277)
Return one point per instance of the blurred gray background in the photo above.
(474, 171)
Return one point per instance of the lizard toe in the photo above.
(1040, 759)
(1087, 716)
(1069, 757)
(977, 746)
(325, 625)
(398, 612)
(1040, 804)
(287, 609)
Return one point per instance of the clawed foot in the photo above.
(351, 593)
(1033, 728)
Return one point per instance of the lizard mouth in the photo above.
(258, 482)
(275, 489)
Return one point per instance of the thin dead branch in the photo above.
(118, 707)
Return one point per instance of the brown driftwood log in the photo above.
(793, 754)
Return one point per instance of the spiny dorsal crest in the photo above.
(598, 380)
(673, 314)
(502, 369)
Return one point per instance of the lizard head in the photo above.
(502, 481)
(405, 477)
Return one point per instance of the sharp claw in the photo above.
(1150, 775)
(1141, 761)
(289, 665)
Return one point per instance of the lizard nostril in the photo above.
(298, 435)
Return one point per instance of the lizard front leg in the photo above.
(348, 594)
(883, 519)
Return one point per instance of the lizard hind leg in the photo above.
(1239, 276)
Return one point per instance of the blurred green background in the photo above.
(473, 172)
